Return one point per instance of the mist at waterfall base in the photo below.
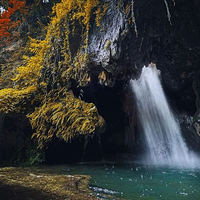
(163, 142)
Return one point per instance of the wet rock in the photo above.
(196, 86)
(105, 41)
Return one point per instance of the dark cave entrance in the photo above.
(109, 101)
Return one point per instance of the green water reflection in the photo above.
(135, 181)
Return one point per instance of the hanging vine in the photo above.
(168, 12)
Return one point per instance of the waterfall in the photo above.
(163, 142)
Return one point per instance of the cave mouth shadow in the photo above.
(107, 145)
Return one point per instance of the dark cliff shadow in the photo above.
(17, 192)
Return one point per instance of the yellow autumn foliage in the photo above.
(43, 82)
(11, 98)
(67, 117)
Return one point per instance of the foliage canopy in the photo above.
(41, 87)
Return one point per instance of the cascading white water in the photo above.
(164, 143)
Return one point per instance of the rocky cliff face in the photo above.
(196, 86)
(166, 34)
(163, 32)
(131, 35)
